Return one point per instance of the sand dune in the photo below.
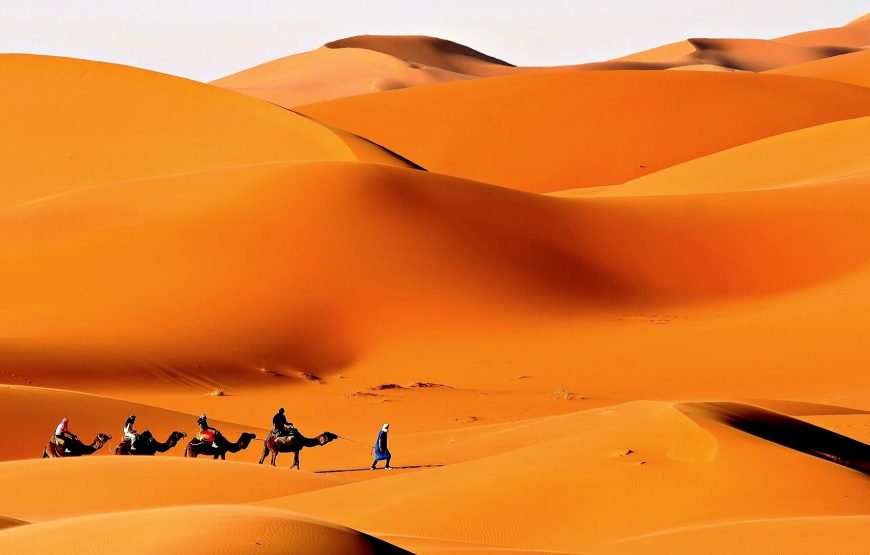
(328, 73)
(79, 123)
(787, 431)
(662, 53)
(96, 484)
(855, 34)
(620, 460)
(30, 413)
(192, 529)
(837, 534)
(550, 132)
(663, 355)
(365, 64)
(569, 258)
(863, 21)
(829, 153)
(851, 68)
(757, 55)
(428, 51)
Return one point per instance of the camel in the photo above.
(147, 445)
(196, 447)
(73, 447)
(293, 444)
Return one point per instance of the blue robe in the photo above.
(381, 451)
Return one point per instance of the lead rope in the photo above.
(357, 442)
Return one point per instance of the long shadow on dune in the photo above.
(787, 431)
(366, 469)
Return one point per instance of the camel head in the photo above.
(247, 438)
(103, 438)
(175, 437)
(326, 437)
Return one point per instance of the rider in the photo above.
(206, 432)
(62, 431)
(280, 424)
(129, 432)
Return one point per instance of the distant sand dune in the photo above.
(557, 131)
(370, 63)
(851, 68)
(832, 153)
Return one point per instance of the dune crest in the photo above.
(193, 529)
(829, 153)
(851, 68)
(79, 123)
(430, 51)
(549, 132)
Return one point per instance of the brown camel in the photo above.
(196, 447)
(147, 445)
(73, 447)
(293, 444)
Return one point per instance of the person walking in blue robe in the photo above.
(381, 450)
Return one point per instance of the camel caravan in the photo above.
(208, 441)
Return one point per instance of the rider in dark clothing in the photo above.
(280, 424)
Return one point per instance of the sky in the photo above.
(205, 40)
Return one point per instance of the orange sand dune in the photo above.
(371, 63)
(614, 461)
(96, 484)
(328, 73)
(755, 54)
(822, 534)
(855, 34)
(428, 51)
(32, 413)
(362, 64)
(830, 153)
(79, 123)
(557, 131)
(740, 54)
(400, 232)
(664, 355)
(192, 529)
(851, 68)
(662, 53)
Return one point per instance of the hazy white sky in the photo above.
(206, 39)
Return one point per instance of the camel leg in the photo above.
(45, 452)
(295, 460)
(274, 456)
(265, 452)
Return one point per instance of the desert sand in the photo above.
(606, 308)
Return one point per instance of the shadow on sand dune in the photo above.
(787, 431)
(368, 469)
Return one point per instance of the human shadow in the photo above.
(367, 469)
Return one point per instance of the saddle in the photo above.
(205, 435)
(283, 436)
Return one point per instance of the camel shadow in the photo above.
(367, 469)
